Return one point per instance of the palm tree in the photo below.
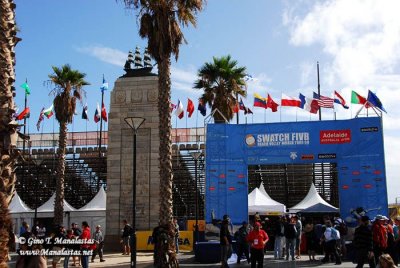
(68, 85)
(8, 128)
(160, 23)
(222, 81)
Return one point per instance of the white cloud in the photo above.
(106, 54)
(361, 39)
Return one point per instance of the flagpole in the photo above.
(197, 117)
(237, 115)
(319, 89)
(101, 118)
(26, 103)
(265, 115)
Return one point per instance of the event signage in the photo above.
(349, 144)
(278, 139)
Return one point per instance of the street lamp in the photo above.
(37, 163)
(196, 156)
(134, 123)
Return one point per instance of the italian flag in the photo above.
(48, 112)
(357, 99)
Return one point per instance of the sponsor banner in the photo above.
(369, 129)
(144, 240)
(327, 156)
(192, 223)
(307, 157)
(335, 136)
(278, 139)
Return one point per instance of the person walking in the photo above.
(290, 237)
(330, 238)
(69, 246)
(279, 235)
(176, 225)
(299, 229)
(311, 240)
(126, 233)
(225, 241)
(85, 246)
(257, 238)
(363, 243)
(99, 241)
(241, 242)
(77, 233)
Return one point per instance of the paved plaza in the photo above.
(145, 260)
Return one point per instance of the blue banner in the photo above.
(355, 145)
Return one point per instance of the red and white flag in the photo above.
(290, 101)
(180, 112)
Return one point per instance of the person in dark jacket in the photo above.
(279, 237)
(241, 242)
(225, 241)
(363, 244)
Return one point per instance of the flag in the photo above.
(248, 111)
(48, 112)
(190, 107)
(103, 112)
(374, 101)
(104, 86)
(339, 100)
(235, 108)
(308, 104)
(171, 107)
(24, 114)
(179, 110)
(271, 104)
(41, 117)
(248, 77)
(324, 102)
(85, 112)
(202, 108)
(241, 105)
(259, 101)
(97, 114)
(357, 99)
(290, 101)
(27, 89)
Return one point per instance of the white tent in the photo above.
(97, 203)
(18, 206)
(94, 212)
(263, 204)
(49, 205)
(311, 199)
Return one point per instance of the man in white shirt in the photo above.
(330, 237)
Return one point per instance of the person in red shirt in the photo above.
(85, 246)
(257, 239)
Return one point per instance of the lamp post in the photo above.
(134, 123)
(196, 156)
(37, 163)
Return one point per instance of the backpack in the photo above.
(290, 231)
(380, 236)
(342, 229)
(335, 234)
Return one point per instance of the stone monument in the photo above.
(134, 94)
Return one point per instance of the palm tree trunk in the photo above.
(164, 97)
(8, 153)
(59, 200)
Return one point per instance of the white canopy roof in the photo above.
(97, 203)
(17, 205)
(311, 199)
(49, 205)
(261, 203)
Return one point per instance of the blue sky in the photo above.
(279, 42)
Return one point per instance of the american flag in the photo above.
(324, 102)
